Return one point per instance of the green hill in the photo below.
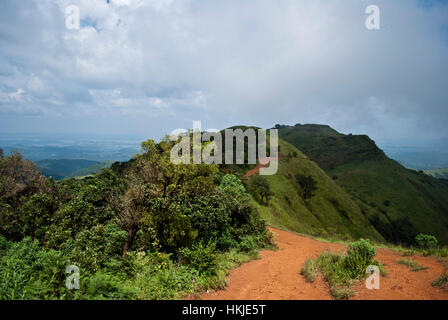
(438, 173)
(330, 212)
(397, 201)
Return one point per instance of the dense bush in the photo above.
(200, 257)
(259, 188)
(426, 240)
(308, 185)
(359, 255)
(145, 229)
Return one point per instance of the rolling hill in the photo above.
(329, 213)
(397, 201)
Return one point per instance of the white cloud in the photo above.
(231, 62)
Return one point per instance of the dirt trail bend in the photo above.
(277, 275)
(260, 165)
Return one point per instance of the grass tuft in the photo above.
(413, 265)
(441, 282)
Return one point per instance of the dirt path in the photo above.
(259, 165)
(277, 275)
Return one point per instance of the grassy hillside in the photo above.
(399, 202)
(438, 173)
(330, 213)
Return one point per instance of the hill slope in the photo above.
(331, 212)
(399, 202)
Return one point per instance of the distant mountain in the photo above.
(438, 173)
(94, 168)
(397, 201)
(64, 168)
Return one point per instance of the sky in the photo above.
(147, 67)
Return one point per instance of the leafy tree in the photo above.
(259, 186)
(307, 184)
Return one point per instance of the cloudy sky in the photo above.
(146, 67)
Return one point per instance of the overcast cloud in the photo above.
(148, 67)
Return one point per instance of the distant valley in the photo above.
(70, 168)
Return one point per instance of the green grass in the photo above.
(413, 265)
(441, 282)
(331, 213)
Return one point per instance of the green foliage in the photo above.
(92, 248)
(103, 285)
(307, 184)
(334, 271)
(29, 272)
(309, 270)
(413, 265)
(340, 270)
(359, 255)
(425, 240)
(202, 258)
(231, 183)
(144, 229)
(259, 187)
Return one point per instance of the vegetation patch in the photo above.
(441, 282)
(413, 265)
(142, 229)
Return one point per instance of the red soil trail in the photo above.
(276, 276)
(258, 166)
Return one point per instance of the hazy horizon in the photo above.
(143, 69)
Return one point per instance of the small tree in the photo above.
(259, 185)
(307, 184)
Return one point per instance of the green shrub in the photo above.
(339, 270)
(308, 185)
(29, 272)
(413, 265)
(359, 255)
(441, 282)
(247, 244)
(200, 257)
(426, 240)
(309, 270)
(102, 286)
(231, 183)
